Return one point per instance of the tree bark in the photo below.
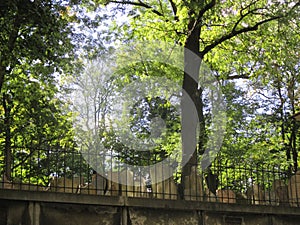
(191, 104)
(293, 125)
(294, 145)
(7, 132)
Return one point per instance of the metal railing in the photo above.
(69, 172)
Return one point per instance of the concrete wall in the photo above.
(34, 208)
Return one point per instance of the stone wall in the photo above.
(34, 208)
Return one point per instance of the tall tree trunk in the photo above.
(287, 145)
(294, 145)
(7, 132)
(191, 104)
(293, 139)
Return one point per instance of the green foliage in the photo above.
(43, 44)
(238, 40)
(37, 53)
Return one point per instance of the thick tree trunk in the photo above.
(191, 104)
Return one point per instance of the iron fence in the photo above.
(71, 172)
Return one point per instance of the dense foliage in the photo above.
(48, 48)
(37, 53)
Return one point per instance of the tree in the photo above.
(277, 82)
(93, 94)
(202, 27)
(39, 52)
(267, 134)
(33, 32)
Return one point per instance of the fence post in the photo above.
(124, 215)
(34, 210)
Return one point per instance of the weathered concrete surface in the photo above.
(236, 219)
(285, 220)
(17, 213)
(70, 214)
(144, 216)
(31, 208)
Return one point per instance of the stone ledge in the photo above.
(145, 203)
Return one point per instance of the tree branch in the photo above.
(205, 9)
(234, 33)
(233, 77)
(243, 16)
(174, 9)
(139, 3)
